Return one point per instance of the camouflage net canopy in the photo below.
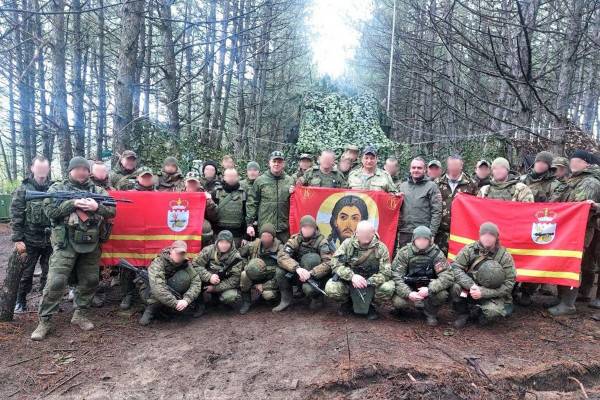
(331, 120)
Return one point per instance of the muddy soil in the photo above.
(298, 355)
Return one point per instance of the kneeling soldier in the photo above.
(304, 261)
(170, 273)
(422, 275)
(260, 268)
(220, 265)
(361, 267)
(484, 275)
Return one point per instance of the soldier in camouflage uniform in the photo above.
(230, 199)
(31, 230)
(325, 174)
(472, 294)
(220, 266)
(351, 153)
(369, 177)
(360, 263)
(192, 184)
(99, 175)
(392, 167)
(482, 174)
(503, 186)
(170, 271)
(210, 176)
(123, 176)
(170, 178)
(305, 163)
(434, 169)
(454, 181)
(582, 185)
(77, 231)
(344, 167)
(269, 199)
(144, 180)
(294, 259)
(261, 264)
(252, 172)
(560, 165)
(421, 275)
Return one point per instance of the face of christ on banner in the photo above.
(340, 213)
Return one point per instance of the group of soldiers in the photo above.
(247, 243)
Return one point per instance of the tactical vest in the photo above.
(479, 260)
(318, 178)
(269, 257)
(421, 265)
(501, 194)
(35, 216)
(312, 246)
(221, 268)
(230, 208)
(367, 267)
(84, 236)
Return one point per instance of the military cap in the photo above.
(129, 154)
(437, 163)
(489, 227)
(483, 162)
(305, 156)
(179, 246)
(351, 147)
(370, 150)
(276, 155)
(192, 176)
(144, 171)
(253, 165)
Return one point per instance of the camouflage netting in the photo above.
(331, 120)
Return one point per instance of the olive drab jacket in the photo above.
(510, 190)
(297, 246)
(28, 221)
(231, 207)
(170, 182)
(161, 269)
(372, 260)
(269, 201)
(315, 177)
(121, 179)
(227, 265)
(422, 205)
(464, 184)
(541, 186)
(380, 180)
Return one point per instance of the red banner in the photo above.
(545, 239)
(338, 211)
(152, 222)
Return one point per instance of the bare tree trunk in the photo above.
(209, 54)
(169, 68)
(236, 13)
(216, 118)
(147, 71)
(77, 89)
(101, 79)
(46, 129)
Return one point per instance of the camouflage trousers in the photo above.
(146, 295)
(307, 289)
(590, 265)
(340, 291)
(491, 309)
(252, 276)
(28, 267)
(63, 262)
(432, 303)
(228, 296)
(441, 239)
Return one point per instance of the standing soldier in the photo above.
(219, 266)
(99, 175)
(209, 176)
(391, 167)
(484, 275)
(230, 199)
(345, 166)
(170, 272)
(192, 184)
(482, 173)
(422, 275)
(362, 271)
(454, 181)
(305, 257)
(227, 162)
(503, 186)
(144, 180)
(351, 152)
(369, 177)
(269, 199)
(583, 185)
(31, 230)
(122, 177)
(541, 177)
(77, 229)
(422, 203)
(261, 264)
(324, 174)
(305, 163)
(560, 165)
(170, 178)
(252, 172)
(434, 169)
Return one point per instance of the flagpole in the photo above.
(389, 91)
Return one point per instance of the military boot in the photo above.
(126, 302)
(596, 302)
(148, 315)
(199, 307)
(567, 302)
(430, 314)
(81, 320)
(462, 314)
(21, 305)
(246, 302)
(44, 327)
(285, 288)
(372, 314)
(98, 300)
(316, 303)
(344, 308)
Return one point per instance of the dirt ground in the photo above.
(298, 355)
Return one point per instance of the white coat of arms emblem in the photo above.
(178, 216)
(544, 230)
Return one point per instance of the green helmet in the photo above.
(310, 260)
(490, 274)
(180, 281)
(255, 268)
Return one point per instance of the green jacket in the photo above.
(351, 256)
(318, 178)
(231, 208)
(28, 221)
(170, 182)
(380, 180)
(297, 246)
(540, 186)
(269, 201)
(422, 205)
(463, 185)
(510, 190)
(121, 179)
(161, 269)
(475, 253)
(228, 266)
(247, 184)
(400, 268)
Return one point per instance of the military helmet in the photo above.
(310, 260)
(490, 274)
(255, 268)
(180, 281)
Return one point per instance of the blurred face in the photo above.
(483, 171)
(421, 243)
(170, 168)
(266, 239)
(252, 174)
(305, 164)
(353, 155)
(346, 221)
(488, 240)
(454, 167)
(230, 176)
(223, 246)
(391, 167)
(307, 231)
(145, 180)
(577, 164)
(277, 165)
(192, 186)
(499, 174)
(365, 236)
(99, 171)
(228, 163)
(344, 165)
(540, 167)
(177, 256)
(129, 163)
(40, 170)
(434, 172)
(327, 161)
(80, 174)
(561, 171)
(210, 172)
(417, 169)
(369, 161)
